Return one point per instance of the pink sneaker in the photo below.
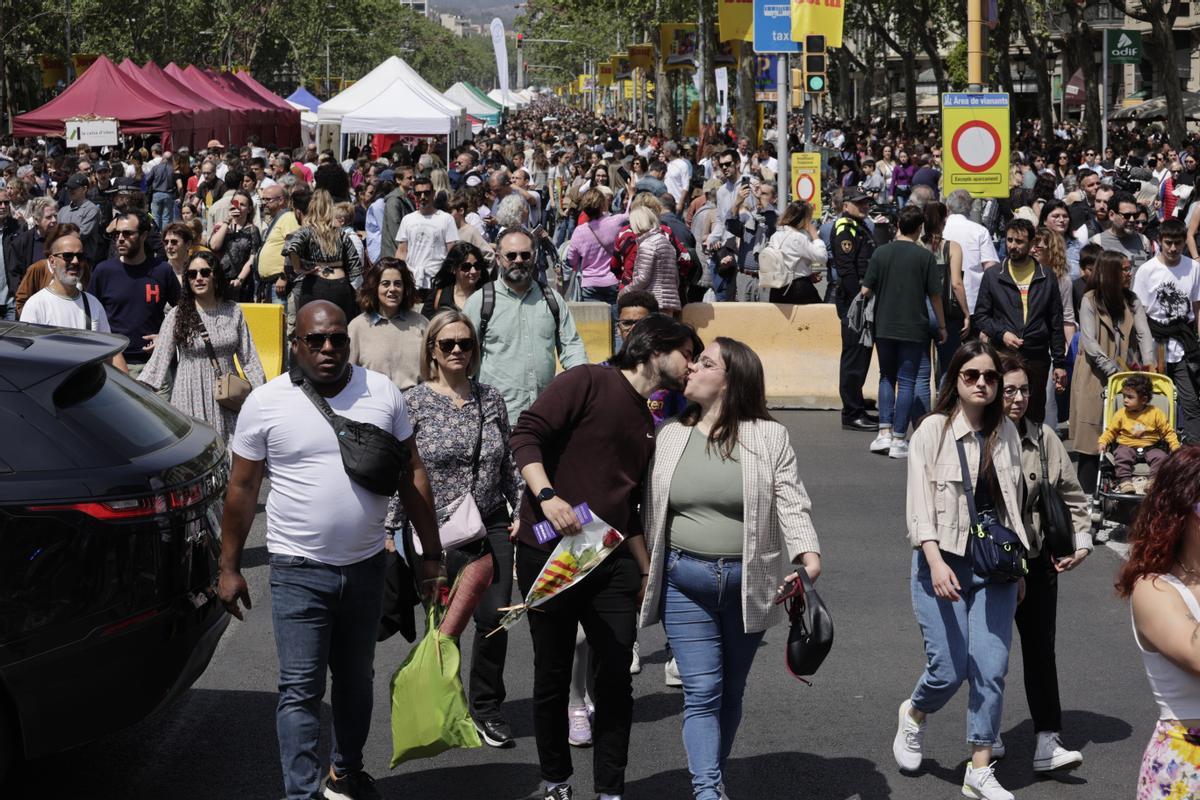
(579, 734)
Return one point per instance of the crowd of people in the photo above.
(430, 297)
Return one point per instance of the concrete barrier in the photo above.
(265, 321)
(594, 321)
(800, 347)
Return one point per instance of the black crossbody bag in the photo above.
(996, 552)
(373, 457)
(1058, 536)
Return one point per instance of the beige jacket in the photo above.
(937, 504)
(778, 528)
(1061, 473)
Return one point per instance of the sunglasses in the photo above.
(519, 255)
(173, 242)
(68, 257)
(971, 376)
(447, 345)
(203, 272)
(423, 192)
(126, 234)
(470, 266)
(316, 341)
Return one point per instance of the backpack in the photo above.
(488, 307)
(772, 272)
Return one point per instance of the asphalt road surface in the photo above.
(830, 741)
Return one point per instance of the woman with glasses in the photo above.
(387, 337)
(726, 519)
(965, 620)
(236, 243)
(206, 327)
(1037, 613)
(1063, 169)
(463, 271)
(1114, 335)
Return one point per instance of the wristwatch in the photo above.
(546, 494)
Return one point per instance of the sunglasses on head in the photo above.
(316, 341)
(447, 345)
(970, 376)
(203, 272)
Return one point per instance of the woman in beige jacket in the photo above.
(966, 621)
(725, 518)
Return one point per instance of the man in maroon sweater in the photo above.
(588, 438)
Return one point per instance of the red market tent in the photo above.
(239, 118)
(275, 121)
(209, 121)
(258, 117)
(289, 134)
(103, 90)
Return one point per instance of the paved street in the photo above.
(829, 741)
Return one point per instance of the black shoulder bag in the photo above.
(996, 551)
(373, 457)
(1058, 535)
(810, 636)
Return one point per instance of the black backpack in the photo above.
(488, 307)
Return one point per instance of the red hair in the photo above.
(1162, 519)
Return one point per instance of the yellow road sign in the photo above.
(975, 143)
(806, 180)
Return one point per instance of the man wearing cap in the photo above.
(86, 215)
(852, 247)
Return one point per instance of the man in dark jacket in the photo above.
(1019, 308)
(9, 279)
(852, 247)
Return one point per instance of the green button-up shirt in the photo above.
(518, 353)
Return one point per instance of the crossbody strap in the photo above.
(968, 489)
(317, 400)
(478, 439)
(87, 310)
(208, 348)
(1042, 455)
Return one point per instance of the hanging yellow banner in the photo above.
(606, 73)
(641, 56)
(622, 67)
(735, 19)
(678, 47)
(818, 17)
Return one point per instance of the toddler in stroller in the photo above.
(1137, 426)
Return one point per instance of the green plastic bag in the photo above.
(429, 707)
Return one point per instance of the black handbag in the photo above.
(1058, 535)
(372, 457)
(811, 635)
(996, 551)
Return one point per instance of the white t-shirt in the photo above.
(977, 247)
(49, 308)
(314, 510)
(1168, 293)
(427, 239)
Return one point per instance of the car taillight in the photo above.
(134, 508)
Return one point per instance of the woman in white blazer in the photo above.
(799, 242)
(725, 517)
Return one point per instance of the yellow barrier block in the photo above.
(800, 347)
(265, 321)
(594, 321)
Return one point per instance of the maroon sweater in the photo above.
(594, 435)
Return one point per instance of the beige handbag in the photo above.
(229, 390)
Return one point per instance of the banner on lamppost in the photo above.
(818, 17)
(678, 46)
(606, 73)
(766, 87)
(501, 48)
(735, 20)
(622, 67)
(641, 56)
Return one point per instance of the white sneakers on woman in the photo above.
(1051, 755)
(882, 442)
(981, 784)
(907, 746)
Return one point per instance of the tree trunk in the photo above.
(746, 119)
(931, 50)
(910, 90)
(1041, 71)
(1162, 53)
(1079, 41)
(1001, 39)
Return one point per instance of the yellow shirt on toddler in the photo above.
(1139, 429)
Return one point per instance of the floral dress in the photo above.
(193, 391)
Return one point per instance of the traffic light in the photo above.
(815, 80)
(520, 40)
(797, 88)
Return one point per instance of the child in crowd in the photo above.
(1138, 424)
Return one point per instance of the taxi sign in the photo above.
(975, 143)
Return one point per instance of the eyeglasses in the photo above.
(68, 257)
(203, 272)
(447, 345)
(470, 266)
(173, 242)
(1090, 153)
(970, 376)
(1012, 391)
(1112, 212)
(1141, 223)
(626, 324)
(423, 192)
(707, 363)
(126, 234)
(316, 341)
(519, 255)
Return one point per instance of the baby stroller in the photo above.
(1112, 506)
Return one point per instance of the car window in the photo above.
(119, 413)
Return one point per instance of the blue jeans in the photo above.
(899, 361)
(162, 209)
(565, 227)
(325, 617)
(703, 618)
(967, 641)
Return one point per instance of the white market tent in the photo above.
(308, 123)
(514, 100)
(475, 105)
(392, 98)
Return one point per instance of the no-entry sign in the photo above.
(806, 180)
(975, 143)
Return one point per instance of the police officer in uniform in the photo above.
(852, 248)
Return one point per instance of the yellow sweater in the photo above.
(1139, 429)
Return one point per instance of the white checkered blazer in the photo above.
(776, 515)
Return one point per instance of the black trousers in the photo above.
(485, 688)
(801, 291)
(1037, 368)
(605, 604)
(1036, 619)
(855, 362)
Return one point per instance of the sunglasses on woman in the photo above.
(971, 376)
(447, 345)
(203, 272)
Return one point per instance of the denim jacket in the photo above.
(937, 504)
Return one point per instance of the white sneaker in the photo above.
(671, 674)
(981, 784)
(883, 441)
(907, 747)
(635, 666)
(998, 748)
(1050, 753)
(899, 449)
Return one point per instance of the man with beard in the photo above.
(62, 303)
(589, 439)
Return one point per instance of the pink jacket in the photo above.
(657, 270)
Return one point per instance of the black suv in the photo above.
(110, 510)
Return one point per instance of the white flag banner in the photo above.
(722, 78)
(501, 48)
